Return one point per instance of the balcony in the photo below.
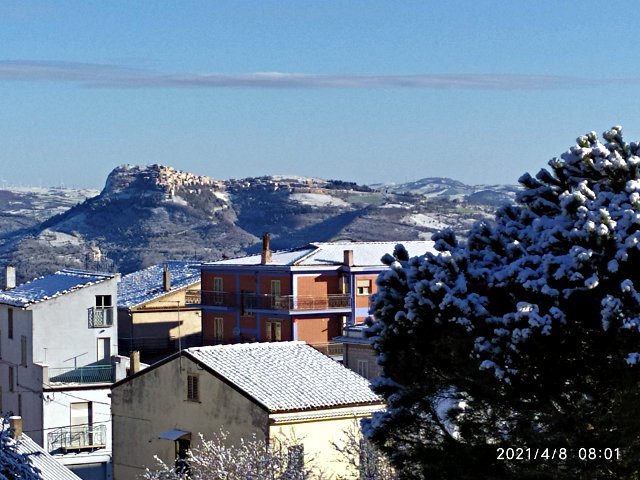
(100, 317)
(333, 350)
(87, 374)
(256, 301)
(81, 437)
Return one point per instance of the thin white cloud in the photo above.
(114, 76)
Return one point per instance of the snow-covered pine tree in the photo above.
(526, 335)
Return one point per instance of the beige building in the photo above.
(152, 314)
(358, 354)
(273, 390)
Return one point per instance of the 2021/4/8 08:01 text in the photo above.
(583, 453)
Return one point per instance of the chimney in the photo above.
(166, 278)
(9, 277)
(348, 258)
(134, 362)
(15, 423)
(266, 249)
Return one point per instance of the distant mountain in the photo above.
(446, 188)
(147, 214)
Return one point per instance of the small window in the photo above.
(363, 287)
(20, 404)
(11, 380)
(363, 368)
(103, 301)
(193, 389)
(10, 325)
(23, 351)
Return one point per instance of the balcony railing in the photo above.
(100, 317)
(256, 301)
(330, 349)
(79, 437)
(88, 374)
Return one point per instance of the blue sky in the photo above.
(366, 91)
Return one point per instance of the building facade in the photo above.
(272, 390)
(58, 340)
(152, 315)
(308, 294)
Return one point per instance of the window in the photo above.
(10, 326)
(193, 393)
(363, 287)
(218, 290)
(274, 330)
(103, 301)
(11, 387)
(363, 368)
(20, 404)
(218, 329)
(1, 409)
(102, 314)
(23, 351)
(0, 349)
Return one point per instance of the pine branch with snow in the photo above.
(526, 334)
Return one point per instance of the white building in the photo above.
(58, 340)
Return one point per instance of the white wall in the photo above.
(61, 327)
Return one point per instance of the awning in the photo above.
(174, 434)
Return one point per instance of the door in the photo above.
(104, 349)
(80, 425)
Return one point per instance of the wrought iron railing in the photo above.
(100, 317)
(77, 437)
(298, 302)
(87, 374)
(256, 301)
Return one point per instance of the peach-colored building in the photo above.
(309, 293)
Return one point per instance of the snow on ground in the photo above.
(178, 200)
(224, 196)
(318, 200)
(396, 205)
(422, 220)
(58, 239)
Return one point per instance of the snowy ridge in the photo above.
(286, 376)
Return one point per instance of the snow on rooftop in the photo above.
(286, 376)
(365, 254)
(145, 285)
(49, 468)
(51, 286)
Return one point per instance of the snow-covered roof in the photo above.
(365, 254)
(286, 376)
(144, 285)
(49, 467)
(51, 286)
